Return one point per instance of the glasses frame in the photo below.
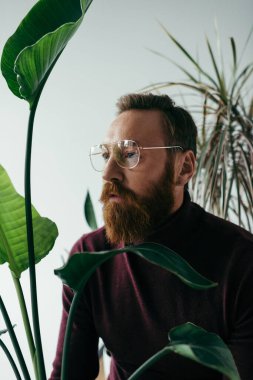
(139, 148)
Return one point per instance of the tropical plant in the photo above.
(223, 182)
(14, 250)
(28, 58)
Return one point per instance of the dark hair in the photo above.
(180, 128)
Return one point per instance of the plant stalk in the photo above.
(14, 341)
(66, 345)
(10, 358)
(159, 355)
(30, 242)
(26, 323)
(40, 364)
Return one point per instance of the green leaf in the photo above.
(229, 195)
(206, 348)
(189, 56)
(250, 111)
(200, 87)
(222, 88)
(80, 266)
(89, 212)
(242, 79)
(234, 53)
(31, 52)
(246, 44)
(199, 345)
(218, 160)
(5, 330)
(13, 241)
(188, 74)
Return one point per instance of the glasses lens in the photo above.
(126, 153)
(99, 155)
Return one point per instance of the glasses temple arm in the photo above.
(161, 147)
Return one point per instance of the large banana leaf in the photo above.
(199, 345)
(31, 52)
(80, 266)
(13, 240)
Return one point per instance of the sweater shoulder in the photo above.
(94, 241)
(223, 230)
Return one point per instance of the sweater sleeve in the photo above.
(240, 340)
(83, 361)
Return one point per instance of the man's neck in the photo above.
(177, 199)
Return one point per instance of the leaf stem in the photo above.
(30, 243)
(26, 322)
(14, 341)
(66, 345)
(151, 361)
(10, 358)
(40, 364)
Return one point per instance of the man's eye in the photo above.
(130, 154)
(105, 156)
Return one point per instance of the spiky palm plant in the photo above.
(223, 182)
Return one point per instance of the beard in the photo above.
(133, 219)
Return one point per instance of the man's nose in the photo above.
(112, 171)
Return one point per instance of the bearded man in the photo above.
(147, 160)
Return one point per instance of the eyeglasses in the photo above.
(125, 152)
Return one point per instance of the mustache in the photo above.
(116, 188)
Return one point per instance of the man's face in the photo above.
(136, 199)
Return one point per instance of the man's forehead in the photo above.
(141, 126)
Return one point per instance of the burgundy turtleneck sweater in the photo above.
(132, 304)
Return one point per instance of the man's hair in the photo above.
(179, 126)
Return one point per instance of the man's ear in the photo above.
(185, 168)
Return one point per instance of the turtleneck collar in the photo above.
(176, 227)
